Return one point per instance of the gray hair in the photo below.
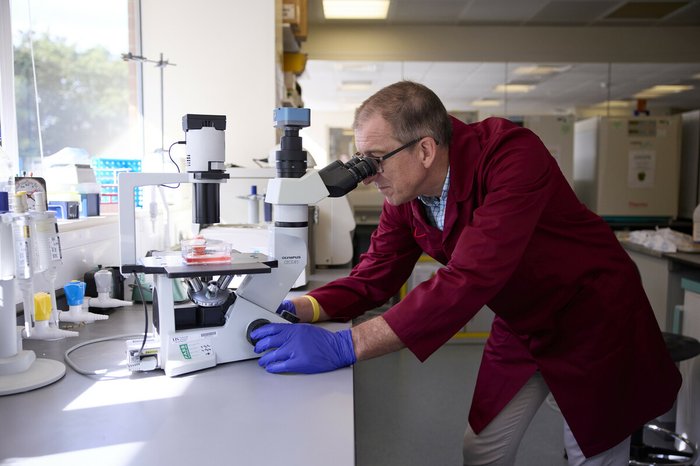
(412, 110)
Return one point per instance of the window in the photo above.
(72, 88)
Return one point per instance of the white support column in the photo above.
(8, 116)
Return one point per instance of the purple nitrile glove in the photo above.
(288, 306)
(303, 348)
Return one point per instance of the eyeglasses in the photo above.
(379, 160)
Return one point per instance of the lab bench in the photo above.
(231, 414)
(672, 283)
(661, 276)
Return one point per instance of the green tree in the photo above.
(83, 97)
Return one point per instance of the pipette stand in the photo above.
(20, 370)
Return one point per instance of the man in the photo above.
(489, 202)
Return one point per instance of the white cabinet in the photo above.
(477, 329)
(688, 402)
(655, 278)
(661, 277)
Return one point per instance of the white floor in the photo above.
(408, 413)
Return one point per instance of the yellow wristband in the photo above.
(316, 308)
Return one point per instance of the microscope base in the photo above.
(183, 351)
(41, 372)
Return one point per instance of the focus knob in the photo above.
(257, 323)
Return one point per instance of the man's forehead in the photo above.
(373, 130)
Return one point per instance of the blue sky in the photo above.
(85, 23)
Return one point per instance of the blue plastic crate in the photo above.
(107, 176)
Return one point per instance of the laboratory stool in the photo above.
(681, 348)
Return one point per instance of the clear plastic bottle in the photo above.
(696, 224)
(47, 241)
(24, 258)
(21, 235)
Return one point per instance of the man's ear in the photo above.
(428, 151)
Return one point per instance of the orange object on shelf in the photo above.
(294, 62)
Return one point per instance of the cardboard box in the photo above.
(295, 13)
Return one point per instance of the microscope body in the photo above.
(178, 349)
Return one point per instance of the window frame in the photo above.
(8, 104)
(8, 112)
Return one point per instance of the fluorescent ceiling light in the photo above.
(615, 104)
(670, 89)
(486, 103)
(539, 70)
(355, 67)
(355, 9)
(351, 86)
(514, 88)
(661, 90)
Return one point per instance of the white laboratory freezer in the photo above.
(688, 401)
(628, 166)
(557, 134)
(690, 164)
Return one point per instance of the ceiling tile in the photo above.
(690, 15)
(581, 12)
(646, 10)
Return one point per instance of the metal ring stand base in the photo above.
(42, 372)
(646, 455)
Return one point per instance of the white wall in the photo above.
(226, 56)
(316, 136)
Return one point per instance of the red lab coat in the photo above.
(568, 300)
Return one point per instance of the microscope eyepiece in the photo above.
(341, 178)
(362, 167)
(338, 177)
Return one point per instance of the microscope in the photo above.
(214, 326)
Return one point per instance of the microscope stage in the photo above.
(171, 264)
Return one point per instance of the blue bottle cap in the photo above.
(75, 291)
(4, 202)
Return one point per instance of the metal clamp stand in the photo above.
(685, 452)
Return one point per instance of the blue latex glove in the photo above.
(303, 348)
(288, 306)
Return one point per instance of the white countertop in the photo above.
(232, 414)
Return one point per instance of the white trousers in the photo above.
(498, 443)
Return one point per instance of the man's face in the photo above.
(402, 173)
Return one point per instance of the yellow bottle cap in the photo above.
(42, 306)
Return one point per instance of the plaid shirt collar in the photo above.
(436, 205)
